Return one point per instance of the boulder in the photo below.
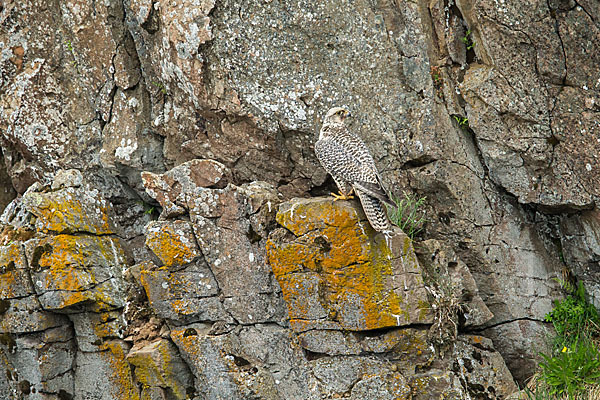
(335, 272)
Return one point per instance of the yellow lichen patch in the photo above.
(190, 346)
(105, 324)
(69, 210)
(72, 269)
(302, 216)
(337, 267)
(172, 242)
(121, 379)
(155, 366)
(14, 281)
(292, 257)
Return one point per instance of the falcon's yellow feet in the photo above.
(341, 196)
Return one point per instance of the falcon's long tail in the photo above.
(375, 212)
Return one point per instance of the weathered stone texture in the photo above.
(61, 290)
(160, 370)
(490, 109)
(335, 272)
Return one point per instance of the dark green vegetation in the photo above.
(572, 368)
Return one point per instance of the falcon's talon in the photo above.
(342, 196)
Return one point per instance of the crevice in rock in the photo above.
(585, 11)
(486, 327)
(324, 189)
(418, 162)
(152, 23)
(311, 355)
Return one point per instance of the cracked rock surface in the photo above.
(164, 234)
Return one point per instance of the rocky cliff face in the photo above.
(163, 235)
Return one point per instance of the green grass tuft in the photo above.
(573, 317)
(467, 40)
(408, 214)
(572, 369)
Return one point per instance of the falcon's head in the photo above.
(336, 115)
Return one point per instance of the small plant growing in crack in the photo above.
(72, 51)
(467, 40)
(160, 86)
(436, 76)
(148, 208)
(463, 122)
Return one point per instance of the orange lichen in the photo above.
(66, 212)
(476, 339)
(187, 342)
(173, 243)
(338, 260)
(65, 264)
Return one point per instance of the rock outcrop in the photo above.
(343, 312)
(156, 157)
(335, 273)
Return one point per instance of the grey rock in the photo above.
(449, 273)
(391, 385)
(580, 240)
(171, 188)
(25, 315)
(516, 339)
(67, 178)
(183, 296)
(104, 375)
(253, 362)
(329, 342)
(472, 369)
(234, 251)
(92, 329)
(337, 375)
(42, 362)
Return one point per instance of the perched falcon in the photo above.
(347, 159)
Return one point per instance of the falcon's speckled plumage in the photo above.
(344, 155)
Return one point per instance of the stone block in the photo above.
(172, 242)
(171, 188)
(333, 266)
(183, 296)
(70, 210)
(158, 365)
(71, 270)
